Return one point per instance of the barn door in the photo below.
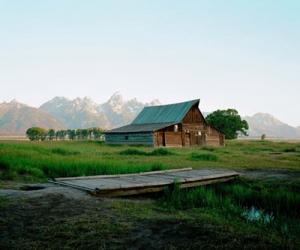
(187, 139)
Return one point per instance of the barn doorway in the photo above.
(187, 139)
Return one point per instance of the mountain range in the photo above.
(263, 123)
(62, 113)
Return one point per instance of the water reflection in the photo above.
(255, 214)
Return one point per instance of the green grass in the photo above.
(31, 161)
(62, 151)
(155, 152)
(203, 157)
(276, 199)
(132, 151)
(213, 215)
(278, 205)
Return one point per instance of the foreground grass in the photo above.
(40, 160)
(210, 218)
(200, 218)
(246, 205)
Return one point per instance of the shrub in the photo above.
(157, 167)
(3, 166)
(8, 175)
(290, 150)
(208, 148)
(155, 152)
(61, 151)
(160, 151)
(132, 151)
(203, 157)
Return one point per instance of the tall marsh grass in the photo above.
(19, 160)
(39, 161)
(235, 197)
(177, 198)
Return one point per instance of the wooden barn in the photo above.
(172, 125)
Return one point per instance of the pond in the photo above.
(254, 214)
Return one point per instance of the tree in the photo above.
(71, 134)
(36, 133)
(85, 133)
(78, 134)
(51, 134)
(97, 133)
(61, 134)
(229, 122)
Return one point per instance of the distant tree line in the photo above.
(42, 134)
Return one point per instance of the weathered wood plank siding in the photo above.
(130, 138)
(173, 139)
(214, 138)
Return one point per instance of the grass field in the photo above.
(246, 214)
(23, 160)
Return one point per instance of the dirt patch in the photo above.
(39, 190)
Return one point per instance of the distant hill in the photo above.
(77, 113)
(120, 112)
(85, 113)
(16, 118)
(61, 112)
(262, 123)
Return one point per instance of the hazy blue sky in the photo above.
(240, 54)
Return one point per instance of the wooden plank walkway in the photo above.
(148, 182)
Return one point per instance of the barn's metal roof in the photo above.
(139, 128)
(153, 118)
(171, 113)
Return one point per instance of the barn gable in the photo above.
(172, 113)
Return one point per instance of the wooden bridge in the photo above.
(148, 182)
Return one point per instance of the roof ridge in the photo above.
(169, 104)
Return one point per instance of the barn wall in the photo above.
(194, 128)
(168, 139)
(159, 139)
(214, 137)
(194, 116)
(130, 138)
(194, 124)
(173, 139)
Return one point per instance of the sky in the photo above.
(230, 54)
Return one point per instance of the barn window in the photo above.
(199, 133)
(126, 137)
(176, 128)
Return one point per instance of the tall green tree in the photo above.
(36, 133)
(85, 133)
(229, 122)
(97, 133)
(51, 134)
(71, 134)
